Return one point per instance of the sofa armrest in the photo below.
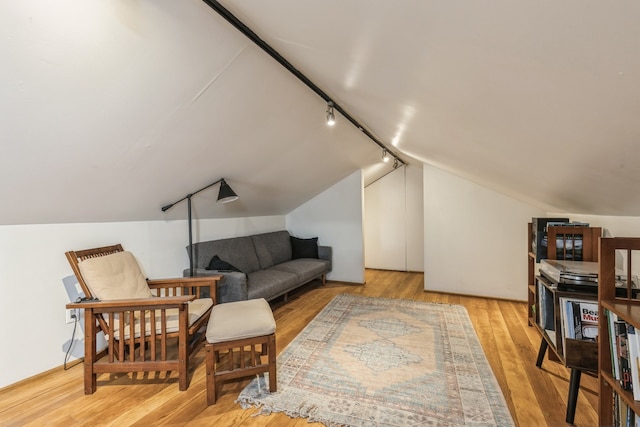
(232, 287)
(325, 253)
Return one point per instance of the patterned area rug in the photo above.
(385, 362)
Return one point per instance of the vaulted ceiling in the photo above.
(111, 109)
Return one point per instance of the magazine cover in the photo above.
(585, 320)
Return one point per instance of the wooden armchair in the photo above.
(149, 325)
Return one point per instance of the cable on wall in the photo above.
(240, 26)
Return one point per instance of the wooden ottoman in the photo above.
(234, 331)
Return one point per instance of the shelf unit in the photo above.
(578, 355)
(625, 308)
(573, 353)
(587, 235)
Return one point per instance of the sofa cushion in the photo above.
(115, 276)
(305, 269)
(270, 284)
(237, 251)
(304, 248)
(272, 248)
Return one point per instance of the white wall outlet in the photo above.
(70, 315)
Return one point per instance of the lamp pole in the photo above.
(190, 236)
(225, 195)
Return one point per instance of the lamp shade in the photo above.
(226, 194)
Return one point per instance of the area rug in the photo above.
(384, 362)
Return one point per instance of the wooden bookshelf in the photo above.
(626, 308)
(576, 243)
(587, 235)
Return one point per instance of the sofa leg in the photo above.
(324, 279)
(286, 297)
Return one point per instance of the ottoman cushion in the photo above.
(240, 319)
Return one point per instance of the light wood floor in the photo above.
(536, 397)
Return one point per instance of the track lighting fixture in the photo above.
(331, 118)
(395, 163)
(385, 156)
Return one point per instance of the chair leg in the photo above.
(211, 355)
(273, 379)
(249, 362)
(90, 377)
(183, 351)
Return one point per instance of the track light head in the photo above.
(331, 118)
(385, 156)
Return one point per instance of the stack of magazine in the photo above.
(579, 319)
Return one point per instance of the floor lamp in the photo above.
(225, 195)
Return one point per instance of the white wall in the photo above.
(415, 218)
(475, 238)
(336, 218)
(33, 267)
(394, 221)
(385, 222)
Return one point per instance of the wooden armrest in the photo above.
(137, 303)
(184, 281)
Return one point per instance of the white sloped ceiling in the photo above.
(538, 100)
(110, 109)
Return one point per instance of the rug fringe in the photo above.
(302, 411)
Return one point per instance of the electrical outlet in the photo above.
(70, 315)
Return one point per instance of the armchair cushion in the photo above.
(197, 308)
(115, 276)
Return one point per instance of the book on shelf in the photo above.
(622, 348)
(632, 340)
(623, 415)
(546, 314)
(612, 319)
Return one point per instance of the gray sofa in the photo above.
(270, 264)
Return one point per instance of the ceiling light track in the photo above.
(240, 26)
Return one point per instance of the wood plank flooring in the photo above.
(536, 397)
